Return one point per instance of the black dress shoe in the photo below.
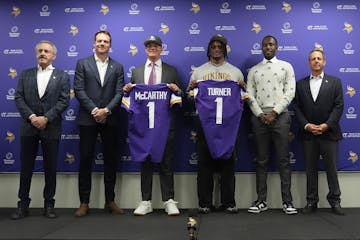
(309, 208)
(337, 210)
(20, 213)
(49, 212)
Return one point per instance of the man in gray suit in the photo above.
(42, 95)
(318, 106)
(98, 87)
(156, 71)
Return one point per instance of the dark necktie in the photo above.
(152, 78)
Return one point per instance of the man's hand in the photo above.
(39, 122)
(270, 118)
(99, 115)
(314, 129)
(242, 84)
(192, 84)
(173, 87)
(128, 87)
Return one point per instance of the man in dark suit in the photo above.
(319, 105)
(42, 95)
(98, 87)
(155, 71)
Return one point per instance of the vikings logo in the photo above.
(104, 9)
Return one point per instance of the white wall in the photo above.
(128, 190)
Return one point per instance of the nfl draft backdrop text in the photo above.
(185, 27)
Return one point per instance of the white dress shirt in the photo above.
(43, 77)
(315, 84)
(148, 67)
(102, 67)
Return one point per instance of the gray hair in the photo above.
(317, 50)
(48, 42)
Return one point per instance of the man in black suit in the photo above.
(319, 105)
(42, 95)
(164, 73)
(98, 87)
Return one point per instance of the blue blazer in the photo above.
(54, 101)
(327, 108)
(91, 94)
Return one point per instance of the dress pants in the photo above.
(207, 166)
(109, 139)
(166, 173)
(28, 151)
(328, 149)
(276, 135)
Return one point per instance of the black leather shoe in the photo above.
(49, 212)
(20, 213)
(309, 208)
(337, 210)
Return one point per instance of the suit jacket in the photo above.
(327, 108)
(168, 75)
(54, 101)
(91, 94)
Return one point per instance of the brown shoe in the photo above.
(82, 210)
(111, 207)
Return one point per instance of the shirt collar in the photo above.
(321, 76)
(97, 59)
(157, 63)
(50, 67)
(273, 60)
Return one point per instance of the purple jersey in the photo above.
(219, 105)
(149, 120)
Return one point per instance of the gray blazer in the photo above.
(91, 94)
(52, 104)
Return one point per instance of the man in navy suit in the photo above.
(42, 95)
(163, 73)
(98, 84)
(318, 106)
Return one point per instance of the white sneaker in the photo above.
(171, 208)
(143, 208)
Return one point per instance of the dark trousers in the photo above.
(109, 139)
(28, 151)
(207, 166)
(277, 136)
(166, 173)
(328, 149)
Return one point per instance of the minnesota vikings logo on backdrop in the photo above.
(104, 9)
(318, 46)
(164, 28)
(69, 158)
(350, 91)
(133, 50)
(256, 27)
(15, 11)
(286, 7)
(74, 30)
(353, 157)
(195, 7)
(10, 137)
(12, 73)
(348, 27)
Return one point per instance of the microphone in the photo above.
(192, 227)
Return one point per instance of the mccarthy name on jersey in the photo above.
(148, 109)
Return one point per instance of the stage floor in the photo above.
(272, 224)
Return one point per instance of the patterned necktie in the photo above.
(152, 78)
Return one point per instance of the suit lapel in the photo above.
(307, 89)
(109, 71)
(163, 73)
(34, 82)
(51, 83)
(323, 87)
(94, 69)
